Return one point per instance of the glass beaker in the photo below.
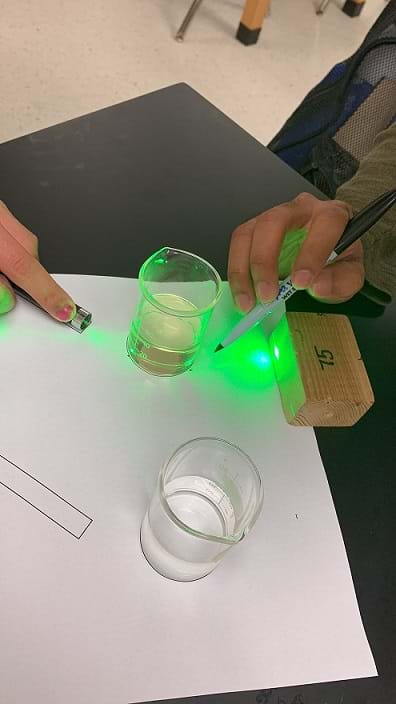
(208, 497)
(178, 293)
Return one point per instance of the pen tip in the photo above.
(218, 348)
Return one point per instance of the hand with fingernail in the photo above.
(19, 264)
(253, 264)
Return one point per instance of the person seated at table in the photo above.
(260, 252)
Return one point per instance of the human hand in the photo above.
(256, 246)
(19, 264)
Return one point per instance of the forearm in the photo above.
(376, 175)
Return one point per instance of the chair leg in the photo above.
(252, 20)
(189, 16)
(322, 7)
(353, 8)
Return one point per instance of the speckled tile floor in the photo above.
(63, 58)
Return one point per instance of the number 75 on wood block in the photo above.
(321, 376)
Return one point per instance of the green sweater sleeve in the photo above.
(377, 174)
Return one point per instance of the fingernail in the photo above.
(302, 278)
(322, 289)
(243, 302)
(265, 291)
(65, 314)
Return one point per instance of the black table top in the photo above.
(105, 190)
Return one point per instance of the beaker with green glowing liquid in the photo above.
(178, 293)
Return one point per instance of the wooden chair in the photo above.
(253, 15)
(249, 27)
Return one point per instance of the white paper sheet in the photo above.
(83, 617)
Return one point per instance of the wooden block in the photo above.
(321, 376)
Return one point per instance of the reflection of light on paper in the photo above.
(246, 364)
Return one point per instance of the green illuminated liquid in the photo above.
(164, 344)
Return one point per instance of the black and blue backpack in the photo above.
(336, 124)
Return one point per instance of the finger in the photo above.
(7, 297)
(268, 236)
(238, 267)
(26, 238)
(340, 281)
(325, 231)
(24, 270)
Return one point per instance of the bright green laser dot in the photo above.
(246, 364)
(103, 339)
(261, 359)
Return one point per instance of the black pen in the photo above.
(80, 322)
(357, 227)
